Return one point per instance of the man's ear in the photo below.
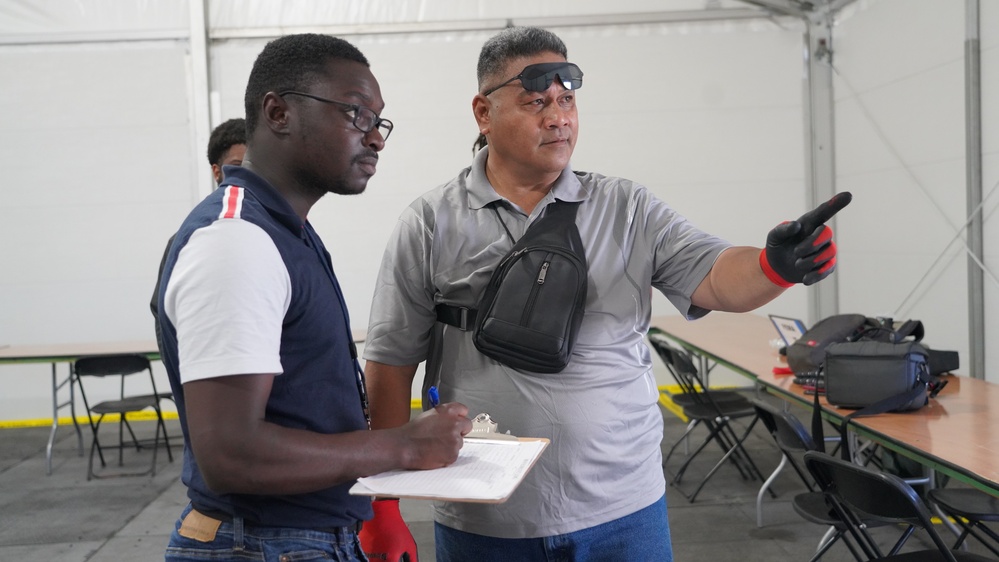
(275, 113)
(481, 109)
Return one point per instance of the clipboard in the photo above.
(487, 471)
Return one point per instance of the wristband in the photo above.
(772, 275)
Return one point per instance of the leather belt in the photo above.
(460, 317)
(223, 517)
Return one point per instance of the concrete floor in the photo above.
(65, 518)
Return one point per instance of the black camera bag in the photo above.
(860, 374)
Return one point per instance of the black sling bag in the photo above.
(530, 312)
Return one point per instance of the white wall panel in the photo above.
(68, 20)
(900, 126)
(96, 155)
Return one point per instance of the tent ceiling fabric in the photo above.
(30, 22)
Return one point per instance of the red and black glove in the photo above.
(803, 251)
(386, 536)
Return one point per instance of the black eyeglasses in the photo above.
(539, 77)
(365, 119)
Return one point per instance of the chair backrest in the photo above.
(786, 429)
(678, 363)
(112, 365)
(105, 365)
(869, 494)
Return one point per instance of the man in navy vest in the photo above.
(256, 336)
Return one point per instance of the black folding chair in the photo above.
(970, 509)
(124, 367)
(793, 440)
(716, 415)
(859, 493)
(684, 397)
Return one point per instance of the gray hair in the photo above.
(513, 43)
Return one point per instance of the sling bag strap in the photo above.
(463, 317)
(909, 328)
(884, 405)
(460, 317)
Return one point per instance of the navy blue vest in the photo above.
(318, 390)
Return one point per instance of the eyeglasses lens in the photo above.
(366, 120)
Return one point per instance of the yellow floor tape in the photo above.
(665, 393)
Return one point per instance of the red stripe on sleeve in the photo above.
(232, 197)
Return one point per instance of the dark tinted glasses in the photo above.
(539, 77)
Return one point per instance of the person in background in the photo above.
(226, 146)
(597, 492)
(256, 335)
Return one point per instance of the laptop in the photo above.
(789, 329)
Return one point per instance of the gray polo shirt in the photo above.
(601, 412)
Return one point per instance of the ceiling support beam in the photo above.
(200, 82)
(820, 158)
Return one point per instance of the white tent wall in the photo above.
(101, 164)
(900, 149)
(688, 127)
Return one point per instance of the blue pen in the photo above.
(434, 397)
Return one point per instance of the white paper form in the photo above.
(486, 471)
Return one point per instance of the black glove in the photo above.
(803, 251)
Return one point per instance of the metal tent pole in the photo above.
(973, 159)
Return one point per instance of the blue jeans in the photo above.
(235, 541)
(641, 536)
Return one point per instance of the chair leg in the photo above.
(971, 528)
(686, 436)
(682, 438)
(725, 442)
(992, 534)
(121, 439)
(156, 448)
(686, 463)
(166, 439)
(901, 540)
(721, 461)
(765, 487)
(94, 427)
(727, 439)
(825, 543)
(90, 461)
(131, 433)
(965, 531)
(95, 446)
(829, 539)
(72, 414)
(737, 450)
(750, 464)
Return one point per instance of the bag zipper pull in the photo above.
(543, 273)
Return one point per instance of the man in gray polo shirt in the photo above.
(597, 493)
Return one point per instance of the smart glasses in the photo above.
(539, 77)
(365, 119)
